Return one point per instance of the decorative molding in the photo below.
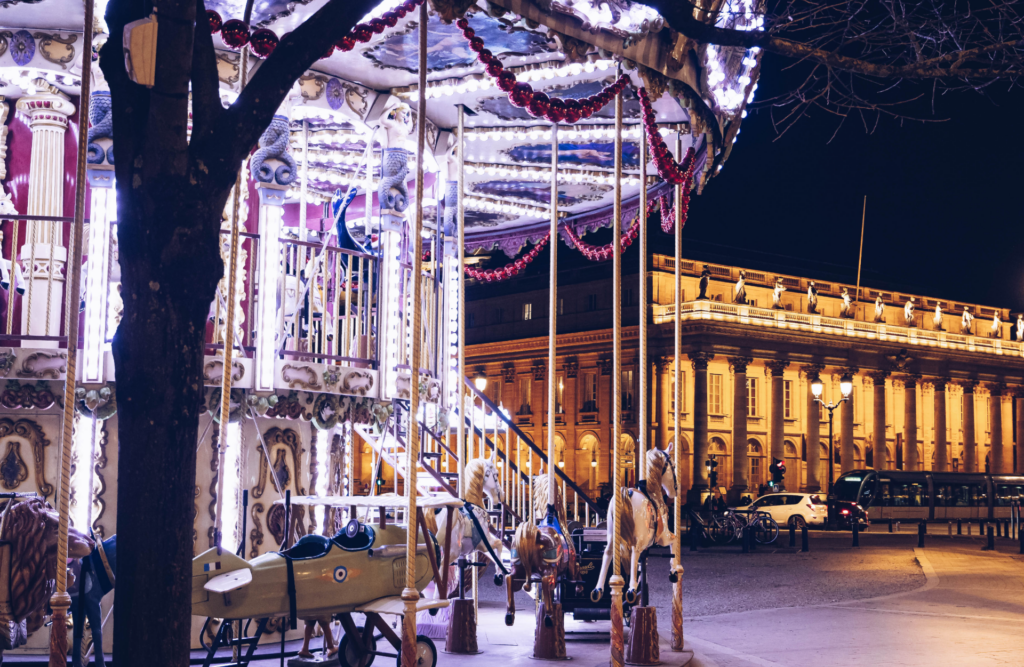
(848, 372)
(939, 384)
(13, 470)
(29, 430)
(215, 469)
(256, 534)
(879, 377)
(508, 373)
(358, 382)
(99, 402)
(739, 364)
(899, 362)
(56, 49)
(44, 364)
(288, 407)
(540, 371)
(213, 371)
(605, 364)
(99, 463)
(777, 367)
(300, 376)
(30, 397)
(813, 371)
(572, 367)
(289, 442)
(967, 385)
(699, 359)
(997, 389)
(910, 380)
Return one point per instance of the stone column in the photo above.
(846, 427)
(970, 447)
(43, 253)
(699, 361)
(739, 427)
(663, 382)
(813, 430)
(910, 420)
(778, 446)
(1019, 397)
(995, 411)
(880, 460)
(941, 448)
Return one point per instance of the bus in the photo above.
(901, 495)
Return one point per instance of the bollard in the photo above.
(890, 525)
(968, 529)
(959, 530)
(805, 544)
(856, 533)
(991, 540)
(1020, 537)
(746, 539)
(950, 528)
(897, 526)
(921, 529)
(792, 535)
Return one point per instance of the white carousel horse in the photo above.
(540, 502)
(471, 527)
(646, 522)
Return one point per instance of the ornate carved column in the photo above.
(813, 430)
(664, 393)
(941, 447)
(700, 420)
(995, 411)
(880, 459)
(507, 394)
(970, 446)
(739, 427)
(1019, 397)
(778, 447)
(910, 420)
(43, 253)
(846, 426)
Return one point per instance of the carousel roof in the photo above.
(572, 50)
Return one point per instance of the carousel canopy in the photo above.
(568, 50)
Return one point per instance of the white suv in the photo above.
(796, 509)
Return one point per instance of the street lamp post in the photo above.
(846, 387)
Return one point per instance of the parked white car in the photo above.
(797, 509)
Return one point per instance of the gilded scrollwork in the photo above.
(56, 49)
(213, 371)
(13, 470)
(256, 534)
(28, 430)
(283, 441)
(44, 364)
(302, 377)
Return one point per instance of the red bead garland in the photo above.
(510, 269)
(601, 253)
(669, 170)
(538, 104)
(262, 42)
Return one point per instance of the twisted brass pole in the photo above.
(616, 581)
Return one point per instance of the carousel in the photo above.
(348, 464)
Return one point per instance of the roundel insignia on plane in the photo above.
(340, 574)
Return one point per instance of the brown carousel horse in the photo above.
(541, 554)
(30, 528)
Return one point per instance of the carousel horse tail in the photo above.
(524, 544)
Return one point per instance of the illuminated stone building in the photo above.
(938, 397)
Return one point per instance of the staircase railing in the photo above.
(510, 427)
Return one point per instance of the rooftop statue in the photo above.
(777, 293)
(879, 310)
(937, 320)
(993, 330)
(908, 313)
(705, 280)
(1020, 328)
(812, 298)
(739, 293)
(967, 322)
(846, 307)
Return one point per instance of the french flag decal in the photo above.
(210, 567)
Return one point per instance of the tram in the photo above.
(932, 496)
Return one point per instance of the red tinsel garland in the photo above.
(262, 42)
(510, 269)
(668, 215)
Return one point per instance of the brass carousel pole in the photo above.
(616, 581)
(643, 646)
(677, 563)
(61, 601)
(410, 595)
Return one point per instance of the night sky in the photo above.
(945, 200)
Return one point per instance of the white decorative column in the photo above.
(44, 253)
(270, 262)
(103, 215)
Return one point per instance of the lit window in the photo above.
(787, 400)
(559, 395)
(751, 397)
(589, 393)
(527, 312)
(525, 387)
(715, 394)
(626, 388)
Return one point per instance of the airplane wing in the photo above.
(394, 605)
(229, 581)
